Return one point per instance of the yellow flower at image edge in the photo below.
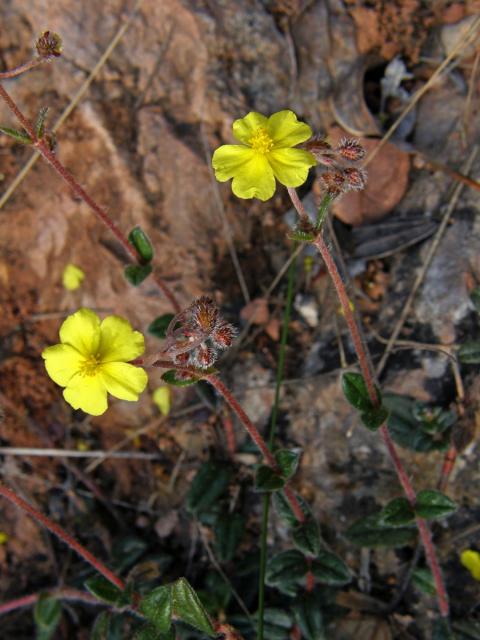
(266, 153)
(471, 561)
(92, 360)
(72, 277)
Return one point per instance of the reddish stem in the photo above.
(229, 431)
(48, 155)
(31, 64)
(61, 594)
(63, 535)
(257, 438)
(368, 376)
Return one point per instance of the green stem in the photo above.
(323, 210)
(271, 438)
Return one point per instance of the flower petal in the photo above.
(124, 381)
(82, 331)
(244, 128)
(229, 159)
(291, 166)
(254, 179)
(119, 342)
(87, 393)
(286, 131)
(62, 362)
(72, 277)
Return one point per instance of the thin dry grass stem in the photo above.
(72, 453)
(368, 375)
(58, 531)
(463, 41)
(227, 228)
(421, 275)
(468, 103)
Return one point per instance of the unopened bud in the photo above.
(350, 149)
(320, 149)
(356, 178)
(204, 356)
(333, 182)
(223, 335)
(49, 44)
(204, 314)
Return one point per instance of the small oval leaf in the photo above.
(431, 504)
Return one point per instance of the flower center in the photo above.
(89, 366)
(261, 142)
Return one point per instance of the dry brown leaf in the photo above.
(256, 311)
(356, 626)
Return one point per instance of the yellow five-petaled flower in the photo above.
(92, 360)
(266, 153)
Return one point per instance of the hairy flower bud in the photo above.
(350, 149)
(49, 44)
(356, 178)
(320, 149)
(223, 335)
(204, 356)
(333, 182)
(204, 314)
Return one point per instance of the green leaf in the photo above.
(157, 607)
(266, 479)
(138, 238)
(228, 531)
(323, 210)
(170, 377)
(306, 537)
(287, 460)
(469, 352)
(136, 273)
(370, 532)
(126, 551)
(103, 589)
(286, 568)
(159, 326)
(301, 236)
(101, 626)
(309, 618)
(441, 629)
(40, 123)
(210, 483)
(411, 426)
(187, 607)
(475, 298)
(397, 513)
(19, 136)
(423, 580)
(431, 504)
(150, 633)
(47, 614)
(284, 510)
(374, 417)
(329, 569)
(356, 392)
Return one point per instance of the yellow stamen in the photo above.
(89, 366)
(261, 141)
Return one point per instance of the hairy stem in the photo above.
(54, 528)
(369, 378)
(49, 156)
(31, 64)
(72, 595)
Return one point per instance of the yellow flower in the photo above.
(471, 561)
(265, 154)
(92, 360)
(72, 277)
(162, 397)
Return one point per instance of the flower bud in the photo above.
(204, 314)
(333, 182)
(356, 178)
(49, 44)
(320, 149)
(204, 356)
(350, 149)
(223, 335)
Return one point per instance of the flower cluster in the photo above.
(92, 360)
(196, 335)
(265, 154)
(49, 45)
(339, 171)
